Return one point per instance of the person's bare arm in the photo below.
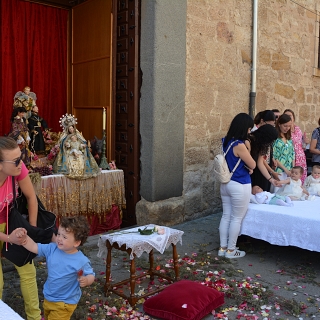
(85, 281)
(285, 181)
(313, 147)
(248, 145)
(305, 191)
(17, 236)
(274, 174)
(261, 166)
(28, 190)
(241, 151)
(31, 245)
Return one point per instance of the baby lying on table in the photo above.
(259, 196)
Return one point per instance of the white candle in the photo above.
(104, 119)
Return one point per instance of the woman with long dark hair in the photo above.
(236, 193)
(261, 144)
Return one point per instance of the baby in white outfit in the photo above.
(292, 187)
(312, 183)
(259, 196)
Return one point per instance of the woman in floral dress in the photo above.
(297, 139)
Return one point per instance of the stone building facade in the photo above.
(199, 78)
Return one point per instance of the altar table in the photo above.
(285, 226)
(132, 242)
(93, 197)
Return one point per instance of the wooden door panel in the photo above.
(127, 146)
(92, 33)
(122, 108)
(91, 83)
(105, 72)
(92, 30)
(87, 118)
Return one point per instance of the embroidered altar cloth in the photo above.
(93, 196)
(140, 243)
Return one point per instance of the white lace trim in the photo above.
(140, 243)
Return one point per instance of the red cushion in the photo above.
(198, 299)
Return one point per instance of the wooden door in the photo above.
(91, 69)
(127, 146)
(106, 73)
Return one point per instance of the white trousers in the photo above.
(235, 200)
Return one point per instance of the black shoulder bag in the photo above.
(46, 226)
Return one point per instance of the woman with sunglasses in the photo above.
(11, 164)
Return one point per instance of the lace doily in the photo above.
(140, 243)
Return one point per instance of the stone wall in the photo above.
(218, 78)
(218, 87)
(287, 73)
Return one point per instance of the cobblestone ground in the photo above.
(271, 282)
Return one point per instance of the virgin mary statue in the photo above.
(74, 158)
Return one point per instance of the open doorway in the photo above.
(102, 39)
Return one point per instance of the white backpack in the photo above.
(220, 166)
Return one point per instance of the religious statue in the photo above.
(20, 132)
(26, 99)
(37, 125)
(74, 158)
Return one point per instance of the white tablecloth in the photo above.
(285, 226)
(6, 313)
(140, 243)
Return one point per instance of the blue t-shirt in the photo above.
(62, 283)
(241, 174)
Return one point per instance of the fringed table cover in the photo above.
(93, 196)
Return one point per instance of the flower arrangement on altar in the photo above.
(34, 157)
(43, 171)
(51, 139)
(53, 153)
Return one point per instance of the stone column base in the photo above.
(166, 212)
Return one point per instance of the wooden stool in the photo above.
(132, 298)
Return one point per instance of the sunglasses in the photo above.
(16, 162)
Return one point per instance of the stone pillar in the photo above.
(162, 104)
